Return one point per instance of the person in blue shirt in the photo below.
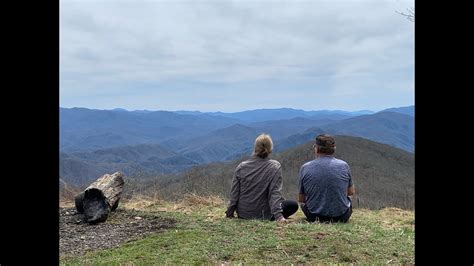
(325, 184)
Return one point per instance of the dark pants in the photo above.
(310, 217)
(289, 208)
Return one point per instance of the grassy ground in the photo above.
(203, 236)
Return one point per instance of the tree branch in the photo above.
(410, 15)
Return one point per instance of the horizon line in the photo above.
(183, 110)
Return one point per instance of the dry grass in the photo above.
(395, 217)
(65, 203)
(211, 206)
(141, 202)
(192, 200)
(67, 194)
(388, 218)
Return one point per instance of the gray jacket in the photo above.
(256, 189)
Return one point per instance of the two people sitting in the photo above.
(325, 185)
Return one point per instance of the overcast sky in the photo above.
(236, 55)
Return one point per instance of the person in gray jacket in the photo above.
(256, 187)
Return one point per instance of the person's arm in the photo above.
(234, 194)
(276, 185)
(301, 197)
(351, 188)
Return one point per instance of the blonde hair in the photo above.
(263, 146)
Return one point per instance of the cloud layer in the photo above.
(236, 55)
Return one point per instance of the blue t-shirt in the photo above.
(324, 182)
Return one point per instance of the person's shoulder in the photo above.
(306, 167)
(244, 162)
(309, 163)
(341, 162)
(249, 161)
(274, 163)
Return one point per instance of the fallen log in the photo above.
(100, 198)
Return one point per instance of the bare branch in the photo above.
(410, 15)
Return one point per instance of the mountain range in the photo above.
(407, 110)
(84, 129)
(161, 142)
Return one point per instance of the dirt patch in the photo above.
(77, 237)
(320, 235)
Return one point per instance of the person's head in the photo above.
(263, 146)
(325, 144)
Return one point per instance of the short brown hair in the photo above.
(263, 146)
(325, 143)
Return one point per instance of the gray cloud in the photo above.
(161, 53)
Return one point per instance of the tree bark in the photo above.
(100, 197)
(111, 186)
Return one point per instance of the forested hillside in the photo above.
(383, 175)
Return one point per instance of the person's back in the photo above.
(258, 177)
(256, 187)
(325, 184)
(325, 181)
